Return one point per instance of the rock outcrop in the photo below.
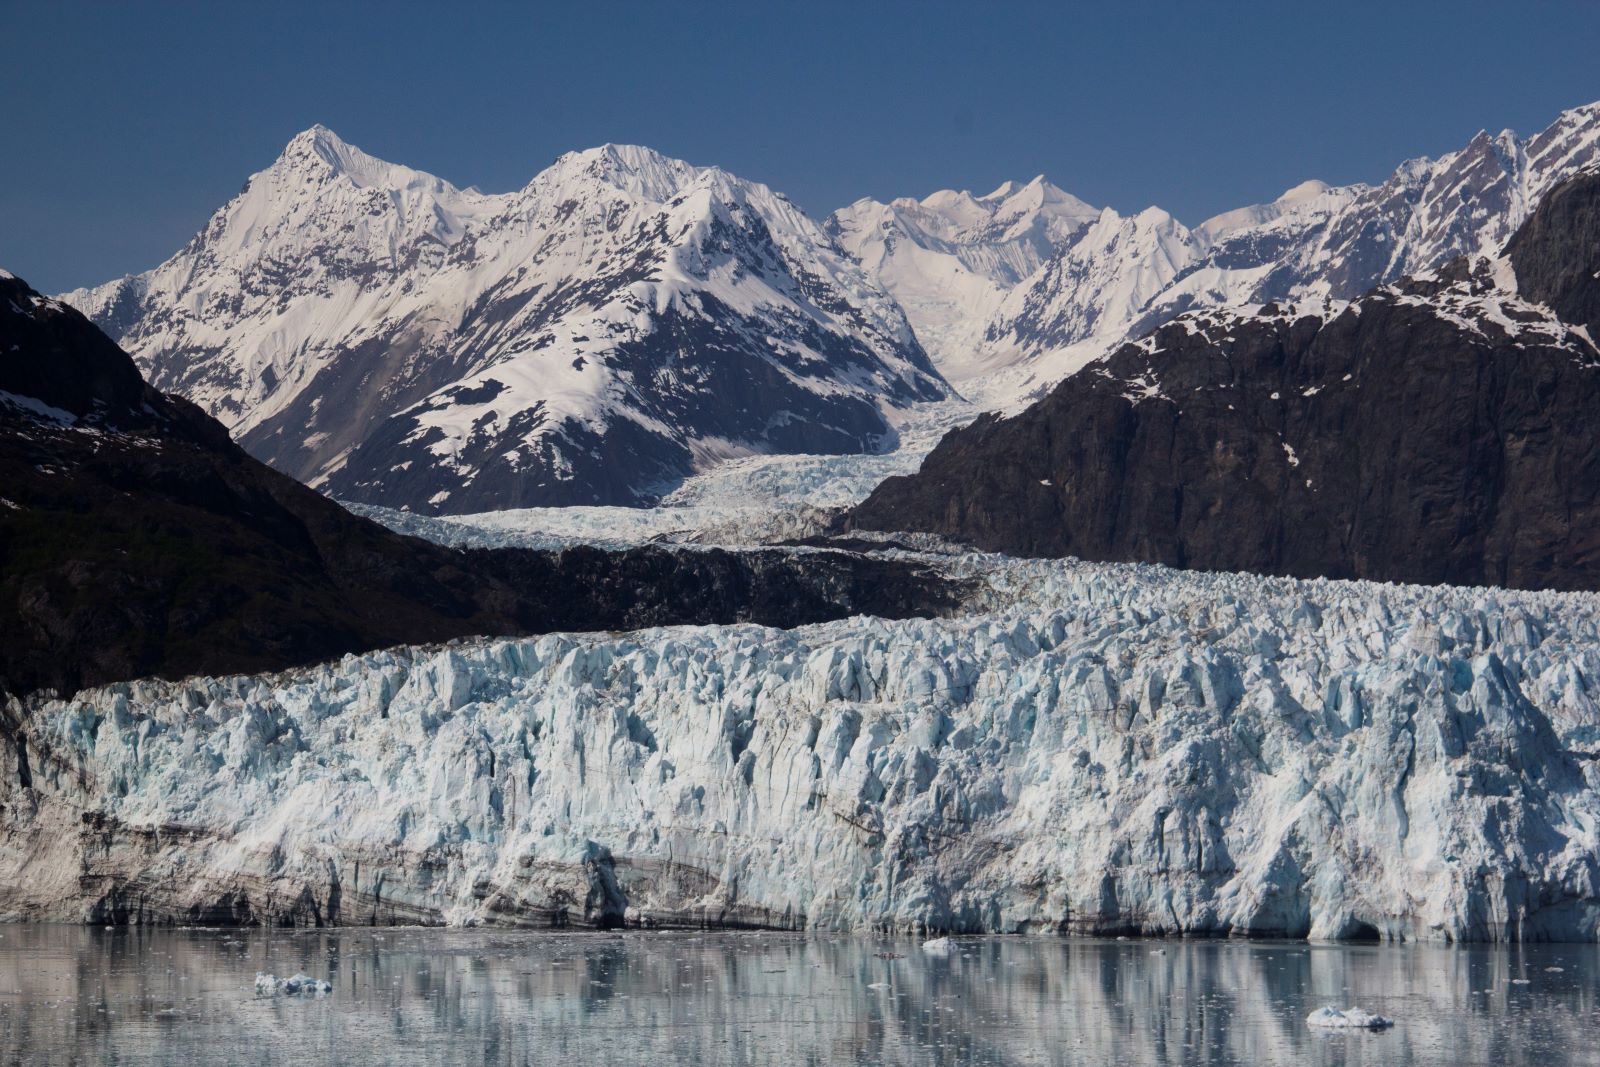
(1440, 429)
(136, 538)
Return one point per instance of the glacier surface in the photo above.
(1094, 748)
(752, 500)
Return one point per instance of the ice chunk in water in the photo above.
(1349, 1019)
(300, 985)
(939, 946)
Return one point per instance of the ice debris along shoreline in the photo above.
(1101, 749)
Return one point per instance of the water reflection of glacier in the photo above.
(70, 995)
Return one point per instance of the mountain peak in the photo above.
(627, 156)
(1306, 190)
(320, 153)
(635, 169)
(317, 133)
(1004, 189)
(317, 145)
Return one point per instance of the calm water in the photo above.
(73, 995)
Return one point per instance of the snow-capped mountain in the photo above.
(137, 539)
(1439, 428)
(627, 318)
(591, 338)
(1012, 291)
(1125, 275)
(951, 258)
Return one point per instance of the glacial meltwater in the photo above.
(73, 995)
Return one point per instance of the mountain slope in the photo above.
(950, 258)
(1439, 429)
(136, 538)
(591, 338)
(1314, 243)
(1107, 276)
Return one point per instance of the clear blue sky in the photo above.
(126, 125)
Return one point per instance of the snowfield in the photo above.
(1093, 748)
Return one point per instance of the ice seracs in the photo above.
(1099, 749)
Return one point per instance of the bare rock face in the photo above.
(1556, 256)
(136, 538)
(1437, 430)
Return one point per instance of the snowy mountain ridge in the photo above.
(1127, 275)
(590, 338)
(626, 319)
(950, 258)
(1100, 277)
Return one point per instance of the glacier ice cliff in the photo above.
(1096, 748)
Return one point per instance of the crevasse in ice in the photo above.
(1097, 748)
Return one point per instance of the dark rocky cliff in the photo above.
(136, 538)
(1440, 430)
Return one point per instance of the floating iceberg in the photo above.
(268, 985)
(1349, 1019)
(939, 946)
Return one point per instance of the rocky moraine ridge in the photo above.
(1438, 429)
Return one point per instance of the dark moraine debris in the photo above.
(137, 539)
(1439, 430)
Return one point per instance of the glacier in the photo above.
(752, 500)
(1090, 748)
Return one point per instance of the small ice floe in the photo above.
(1521, 981)
(878, 985)
(268, 985)
(1349, 1019)
(939, 946)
